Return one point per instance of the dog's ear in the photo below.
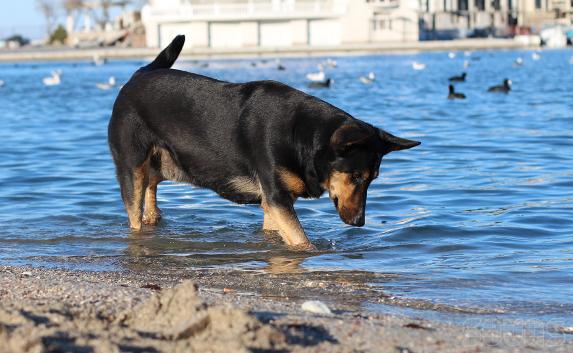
(389, 142)
(349, 136)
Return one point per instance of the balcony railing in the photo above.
(246, 10)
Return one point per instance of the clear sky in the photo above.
(20, 16)
(23, 17)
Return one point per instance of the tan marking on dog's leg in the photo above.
(135, 208)
(289, 227)
(152, 214)
(268, 223)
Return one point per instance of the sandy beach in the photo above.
(51, 310)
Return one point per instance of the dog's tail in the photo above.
(167, 57)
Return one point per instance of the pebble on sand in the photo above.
(316, 306)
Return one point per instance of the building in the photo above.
(279, 23)
(448, 19)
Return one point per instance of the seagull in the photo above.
(53, 80)
(467, 53)
(518, 61)
(418, 66)
(316, 76)
(535, 56)
(504, 88)
(2, 83)
(330, 63)
(368, 78)
(105, 86)
(451, 55)
(99, 61)
(320, 84)
(466, 64)
(455, 95)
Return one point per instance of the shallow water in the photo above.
(478, 216)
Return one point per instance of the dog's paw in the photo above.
(151, 218)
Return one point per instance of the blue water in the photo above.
(479, 215)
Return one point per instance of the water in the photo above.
(478, 216)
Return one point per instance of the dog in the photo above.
(260, 142)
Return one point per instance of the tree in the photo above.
(21, 40)
(48, 9)
(59, 35)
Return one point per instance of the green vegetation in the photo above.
(59, 35)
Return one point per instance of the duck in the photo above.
(535, 56)
(418, 66)
(460, 78)
(280, 67)
(518, 61)
(53, 80)
(320, 84)
(105, 86)
(455, 95)
(503, 88)
(316, 76)
(368, 78)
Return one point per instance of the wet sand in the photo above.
(149, 310)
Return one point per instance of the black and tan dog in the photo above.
(258, 142)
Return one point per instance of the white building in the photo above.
(279, 23)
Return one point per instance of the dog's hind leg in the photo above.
(133, 184)
(151, 213)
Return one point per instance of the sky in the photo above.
(23, 17)
(20, 16)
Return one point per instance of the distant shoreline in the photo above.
(63, 54)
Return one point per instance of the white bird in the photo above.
(53, 80)
(316, 76)
(368, 78)
(2, 83)
(518, 61)
(105, 86)
(466, 64)
(451, 55)
(418, 66)
(98, 61)
(467, 53)
(330, 63)
(571, 61)
(535, 56)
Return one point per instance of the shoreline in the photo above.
(136, 310)
(56, 54)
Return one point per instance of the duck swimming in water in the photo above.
(503, 88)
(455, 95)
(460, 78)
(320, 84)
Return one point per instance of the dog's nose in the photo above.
(359, 220)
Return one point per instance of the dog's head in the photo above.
(358, 149)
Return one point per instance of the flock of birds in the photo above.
(55, 77)
(320, 79)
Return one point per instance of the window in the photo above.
(496, 4)
(480, 5)
(462, 5)
(537, 4)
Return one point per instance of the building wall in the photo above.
(275, 23)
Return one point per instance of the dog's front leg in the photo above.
(280, 215)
